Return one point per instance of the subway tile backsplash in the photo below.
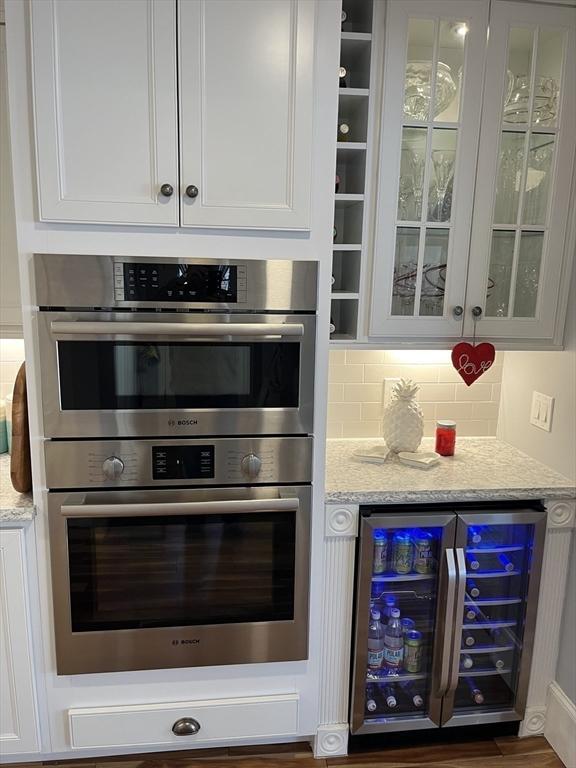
(356, 391)
(11, 358)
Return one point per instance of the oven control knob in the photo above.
(113, 467)
(251, 465)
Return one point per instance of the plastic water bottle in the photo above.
(394, 641)
(375, 640)
(390, 603)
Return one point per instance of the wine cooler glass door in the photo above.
(499, 558)
(406, 596)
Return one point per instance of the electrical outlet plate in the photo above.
(541, 411)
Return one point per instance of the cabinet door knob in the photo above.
(458, 311)
(477, 311)
(186, 726)
(167, 190)
(191, 191)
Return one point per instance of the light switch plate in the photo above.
(541, 411)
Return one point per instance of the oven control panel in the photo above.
(155, 463)
(189, 283)
(182, 462)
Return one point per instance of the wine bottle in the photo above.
(337, 184)
(475, 536)
(507, 564)
(414, 697)
(473, 564)
(473, 589)
(332, 327)
(469, 639)
(466, 662)
(342, 73)
(343, 132)
(472, 613)
(498, 663)
(475, 693)
(389, 697)
(371, 698)
(343, 17)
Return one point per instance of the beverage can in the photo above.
(380, 552)
(403, 553)
(413, 651)
(423, 553)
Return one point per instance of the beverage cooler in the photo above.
(445, 614)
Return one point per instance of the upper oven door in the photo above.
(150, 374)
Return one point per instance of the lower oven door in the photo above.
(158, 579)
(119, 374)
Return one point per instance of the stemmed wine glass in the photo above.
(443, 162)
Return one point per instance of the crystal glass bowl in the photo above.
(418, 88)
(545, 104)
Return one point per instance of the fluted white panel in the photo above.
(336, 629)
(550, 609)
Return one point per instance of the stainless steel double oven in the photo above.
(177, 399)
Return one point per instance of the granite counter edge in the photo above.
(441, 496)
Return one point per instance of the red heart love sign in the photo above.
(471, 362)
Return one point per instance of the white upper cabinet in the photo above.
(105, 110)
(246, 112)
(115, 147)
(434, 59)
(520, 247)
(10, 304)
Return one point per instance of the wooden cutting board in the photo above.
(20, 469)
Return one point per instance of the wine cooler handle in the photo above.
(441, 685)
(458, 619)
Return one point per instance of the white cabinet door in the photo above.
(18, 720)
(105, 109)
(520, 249)
(246, 98)
(10, 304)
(434, 61)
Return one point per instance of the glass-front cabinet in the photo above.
(525, 171)
(445, 615)
(476, 158)
(430, 123)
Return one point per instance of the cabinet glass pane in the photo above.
(528, 274)
(451, 42)
(441, 174)
(412, 166)
(548, 68)
(418, 78)
(538, 177)
(500, 273)
(516, 102)
(509, 179)
(498, 559)
(399, 658)
(434, 272)
(405, 270)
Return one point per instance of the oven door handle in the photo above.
(180, 508)
(191, 330)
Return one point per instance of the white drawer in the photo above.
(151, 724)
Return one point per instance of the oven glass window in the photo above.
(138, 572)
(123, 375)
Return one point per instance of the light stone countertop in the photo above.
(483, 469)
(14, 506)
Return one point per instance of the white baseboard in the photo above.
(560, 727)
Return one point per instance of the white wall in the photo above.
(356, 390)
(553, 373)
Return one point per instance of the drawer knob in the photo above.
(167, 190)
(191, 191)
(186, 726)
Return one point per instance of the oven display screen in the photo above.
(183, 282)
(182, 462)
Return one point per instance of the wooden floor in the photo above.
(506, 752)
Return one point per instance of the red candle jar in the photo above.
(445, 437)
